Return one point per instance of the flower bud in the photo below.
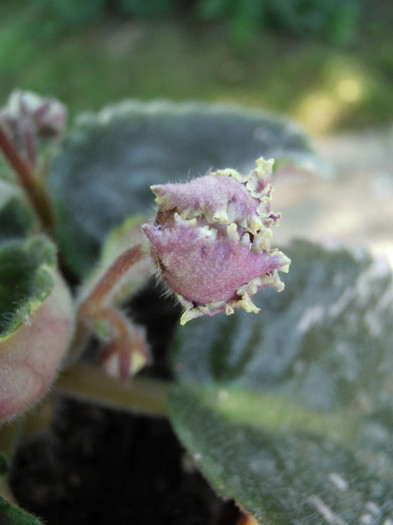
(28, 117)
(47, 115)
(211, 240)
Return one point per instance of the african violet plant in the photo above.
(288, 412)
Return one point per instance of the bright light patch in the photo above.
(318, 111)
(349, 90)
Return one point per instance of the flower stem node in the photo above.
(211, 240)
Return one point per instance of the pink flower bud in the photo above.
(26, 117)
(211, 240)
(47, 115)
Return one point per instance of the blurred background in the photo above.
(328, 63)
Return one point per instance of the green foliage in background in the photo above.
(67, 14)
(63, 15)
(170, 59)
(143, 9)
(334, 20)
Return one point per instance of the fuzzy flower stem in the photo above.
(125, 340)
(107, 283)
(95, 304)
(32, 186)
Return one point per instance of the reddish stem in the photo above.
(94, 305)
(113, 275)
(124, 339)
(32, 186)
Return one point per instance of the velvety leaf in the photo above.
(289, 411)
(26, 280)
(12, 515)
(111, 159)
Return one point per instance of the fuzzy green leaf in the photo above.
(12, 515)
(289, 411)
(25, 280)
(111, 159)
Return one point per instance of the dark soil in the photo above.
(98, 466)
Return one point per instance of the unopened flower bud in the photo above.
(48, 115)
(27, 117)
(211, 240)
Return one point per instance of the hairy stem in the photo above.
(96, 306)
(32, 185)
(112, 277)
(141, 395)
